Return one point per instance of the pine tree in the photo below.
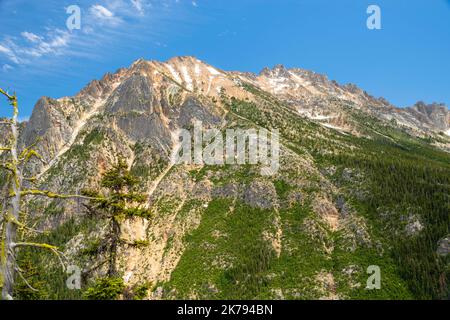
(119, 202)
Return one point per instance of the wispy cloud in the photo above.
(103, 22)
(131, 8)
(57, 40)
(6, 67)
(138, 5)
(30, 45)
(31, 36)
(5, 50)
(104, 15)
(19, 52)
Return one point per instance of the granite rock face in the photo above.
(133, 95)
(261, 194)
(434, 115)
(49, 128)
(444, 246)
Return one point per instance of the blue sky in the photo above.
(406, 61)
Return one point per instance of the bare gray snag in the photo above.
(10, 218)
(12, 215)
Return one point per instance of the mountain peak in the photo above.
(435, 114)
(431, 106)
(277, 71)
(183, 59)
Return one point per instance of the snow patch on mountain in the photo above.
(304, 83)
(174, 73)
(187, 78)
(213, 71)
(197, 70)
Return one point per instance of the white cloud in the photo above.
(194, 3)
(101, 12)
(4, 49)
(129, 8)
(6, 67)
(138, 5)
(104, 21)
(31, 36)
(53, 43)
(57, 40)
(9, 54)
(104, 15)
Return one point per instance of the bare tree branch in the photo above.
(52, 195)
(53, 249)
(31, 179)
(19, 272)
(10, 218)
(6, 166)
(6, 94)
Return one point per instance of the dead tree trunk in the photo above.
(9, 263)
(10, 217)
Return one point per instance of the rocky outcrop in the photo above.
(132, 95)
(261, 194)
(435, 115)
(50, 127)
(443, 246)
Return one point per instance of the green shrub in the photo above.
(105, 289)
(141, 291)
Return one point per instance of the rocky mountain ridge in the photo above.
(58, 121)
